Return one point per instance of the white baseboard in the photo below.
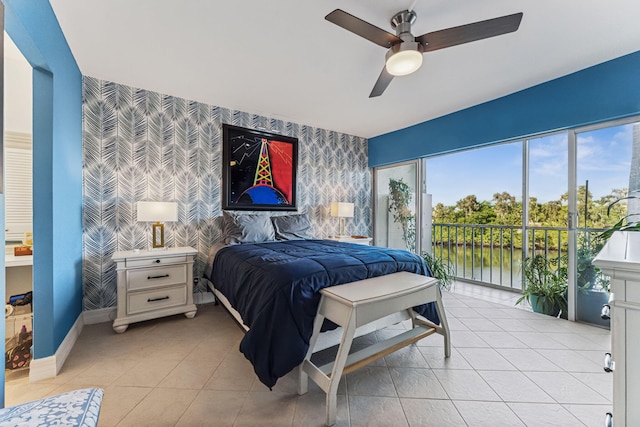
(48, 367)
(101, 315)
(41, 369)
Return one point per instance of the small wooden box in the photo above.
(22, 250)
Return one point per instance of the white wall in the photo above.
(387, 232)
(18, 92)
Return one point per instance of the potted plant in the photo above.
(593, 285)
(545, 287)
(400, 197)
(625, 223)
(440, 269)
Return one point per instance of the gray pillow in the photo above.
(292, 227)
(247, 228)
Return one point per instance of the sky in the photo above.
(604, 158)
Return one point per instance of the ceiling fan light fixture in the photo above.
(404, 54)
(404, 59)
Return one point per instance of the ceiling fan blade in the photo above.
(470, 32)
(362, 28)
(381, 84)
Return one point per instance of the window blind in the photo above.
(18, 186)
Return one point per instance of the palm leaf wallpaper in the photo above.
(142, 145)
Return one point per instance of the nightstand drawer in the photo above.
(145, 278)
(153, 300)
(153, 262)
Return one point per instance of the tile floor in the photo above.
(509, 367)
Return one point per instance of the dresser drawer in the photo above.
(144, 278)
(141, 302)
(149, 262)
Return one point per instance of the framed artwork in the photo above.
(258, 170)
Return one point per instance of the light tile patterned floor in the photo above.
(509, 367)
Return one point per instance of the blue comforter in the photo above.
(275, 288)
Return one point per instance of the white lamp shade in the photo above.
(157, 211)
(404, 62)
(342, 209)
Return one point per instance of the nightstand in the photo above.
(154, 284)
(361, 240)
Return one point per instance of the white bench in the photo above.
(355, 304)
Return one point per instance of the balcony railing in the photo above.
(492, 254)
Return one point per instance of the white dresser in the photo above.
(620, 259)
(153, 284)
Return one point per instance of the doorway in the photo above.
(18, 211)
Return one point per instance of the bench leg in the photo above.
(338, 367)
(303, 377)
(444, 325)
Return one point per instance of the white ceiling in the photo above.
(281, 59)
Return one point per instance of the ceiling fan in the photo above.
(404, 54)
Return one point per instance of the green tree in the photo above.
(468, 205)
(504, 205)
(484, 214)
(535, 212)
(443, 214)
(503, 209)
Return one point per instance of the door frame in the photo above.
(420, 188)
(573, 220)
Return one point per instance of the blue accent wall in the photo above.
(607, 91)
(57, 170)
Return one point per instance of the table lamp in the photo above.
(342, 210)
(157, 212)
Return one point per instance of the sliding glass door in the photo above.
(607, 168)
(547, 194)
(477, 212)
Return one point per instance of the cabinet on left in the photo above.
(18, 310)
(154, 284)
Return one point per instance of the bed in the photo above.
(272, 288)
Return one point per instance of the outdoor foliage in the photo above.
(545, 278)
(441, 269)
(400, 199)
(590, 277)
(630, 222)
(505, 210)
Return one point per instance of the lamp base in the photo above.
(157, 242)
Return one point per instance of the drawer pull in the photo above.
(157, 277)
(157, 261)
(609, 364)
(608, 420)
(606, 312)
(157, 299)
